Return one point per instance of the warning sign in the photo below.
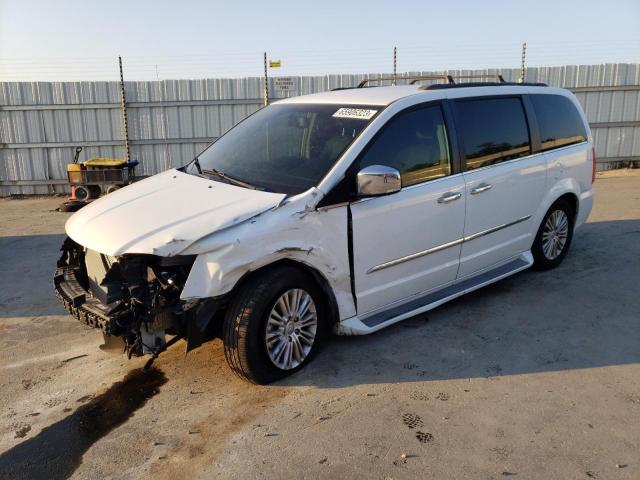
(285, 84)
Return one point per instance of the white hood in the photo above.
(164, 214)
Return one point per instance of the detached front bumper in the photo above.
(80, 303)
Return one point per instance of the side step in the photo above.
(355, 326)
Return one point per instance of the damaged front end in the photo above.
(134, 297)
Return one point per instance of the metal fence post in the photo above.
(395, 62)
(522, 64)
(123, 107)
(266, 82)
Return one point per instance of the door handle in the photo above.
(449, 197)
(483, 187)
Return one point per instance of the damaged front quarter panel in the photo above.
(294, 231)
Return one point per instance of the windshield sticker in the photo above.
(357, 113)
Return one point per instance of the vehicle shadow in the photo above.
(26, 284)
(583, 314)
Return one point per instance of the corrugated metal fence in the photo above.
(170, 121)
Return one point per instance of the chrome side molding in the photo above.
(438, 248)
(415, 255)
(495, 229)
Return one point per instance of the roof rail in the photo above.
(440, 86)
(450, 79)
(413, 79)
(497, 76)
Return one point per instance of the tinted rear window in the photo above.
(559, 122)
(494, 130)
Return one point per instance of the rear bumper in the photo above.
(584, 207)
(79, 303)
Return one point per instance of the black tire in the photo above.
(95, 190)
(83, 193)
(245, 324)
(540, 260)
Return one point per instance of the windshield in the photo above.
(285, 148)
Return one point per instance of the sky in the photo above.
(81, 39)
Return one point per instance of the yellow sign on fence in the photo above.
(275, 63)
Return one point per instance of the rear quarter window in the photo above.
(559, 121)
(494, 130)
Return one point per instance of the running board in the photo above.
(355, 326)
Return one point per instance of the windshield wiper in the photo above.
(217, 173)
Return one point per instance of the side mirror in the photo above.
(377, 180)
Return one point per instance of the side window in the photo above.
(415, 143)
(559, 122)
(493, 130)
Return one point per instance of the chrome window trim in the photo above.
(513, 160)
(430, 182)
(453, 243)
(519, 159)
(564, 147)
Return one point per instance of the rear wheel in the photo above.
(274, 325)
(554, 236)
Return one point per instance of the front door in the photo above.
(408, 242)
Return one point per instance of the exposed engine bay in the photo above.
(135, 297)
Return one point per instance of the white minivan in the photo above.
(344, 211)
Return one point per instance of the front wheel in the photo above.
(554, 236)
(274, 325)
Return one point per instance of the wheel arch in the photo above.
(566, 188)
(572, 200)
(318, 278)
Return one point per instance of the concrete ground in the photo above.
(537, 376)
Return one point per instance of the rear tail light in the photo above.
(593, 168)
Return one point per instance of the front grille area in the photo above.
(124, 296)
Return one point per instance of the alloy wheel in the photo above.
(555, 234)
(291, 329)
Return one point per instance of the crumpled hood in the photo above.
(164, 214)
